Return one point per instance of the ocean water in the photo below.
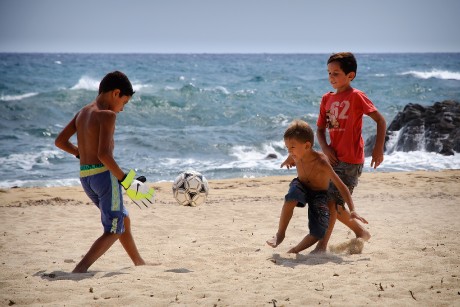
(220, 115)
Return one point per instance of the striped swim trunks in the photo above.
(91, 169)
(105, 192)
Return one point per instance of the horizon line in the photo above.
(223, 53)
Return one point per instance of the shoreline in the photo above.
(215, 254)
(366, 172)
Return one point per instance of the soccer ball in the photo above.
(190, 189)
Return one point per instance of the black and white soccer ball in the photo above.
(190, 188)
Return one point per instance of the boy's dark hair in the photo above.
(346, 60)
(116, 80)
(300, 131)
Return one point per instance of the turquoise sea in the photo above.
(219, 114)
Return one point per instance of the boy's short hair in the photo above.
(346, 60)
(116, 80)
(300, 131)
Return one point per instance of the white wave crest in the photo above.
(86, 83)
(435, 73)
(137, 86)
(219, 89)
(27, 161)
(16, 97)
(250, 156)
(40, 183)
(90, 84)
(416, 160)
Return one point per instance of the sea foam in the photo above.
(16, 97)
(435, 73)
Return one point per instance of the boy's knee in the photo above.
(342, 214)
(320, 230)
(113, 234)
(318, 233)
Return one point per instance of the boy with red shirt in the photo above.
(342, 112)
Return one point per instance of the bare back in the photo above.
(94, 125)
(89, 122)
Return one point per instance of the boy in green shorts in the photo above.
(100, 175)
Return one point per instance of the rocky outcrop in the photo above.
(434, 128)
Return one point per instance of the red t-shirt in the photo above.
(342, 114)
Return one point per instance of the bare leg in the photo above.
(322, 244)
(345, 218)
(127, 241)
(306, 242)
(285, 218)
(99, 247)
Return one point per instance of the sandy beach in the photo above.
(216, 255)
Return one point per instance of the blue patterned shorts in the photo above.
(318, 211)
(105, 192)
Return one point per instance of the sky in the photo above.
(232, 26)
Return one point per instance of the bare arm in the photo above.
(327, 150)
(289, 162)
(105, 149)
(377, 153)
(63, 139)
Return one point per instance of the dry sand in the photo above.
(215, 254)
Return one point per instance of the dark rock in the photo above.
(433, 128)
(271, 156)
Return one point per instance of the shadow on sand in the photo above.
(309, 259)
(60, 275)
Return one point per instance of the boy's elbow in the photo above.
(382, 123)
(101, 157)
(104, 157)
(58, 142)
(378, 118)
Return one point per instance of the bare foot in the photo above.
(365, 235)
(153, 263)
(276, 240)
(79, 269)
(318, 250)
(141, 261)
(292, 251)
